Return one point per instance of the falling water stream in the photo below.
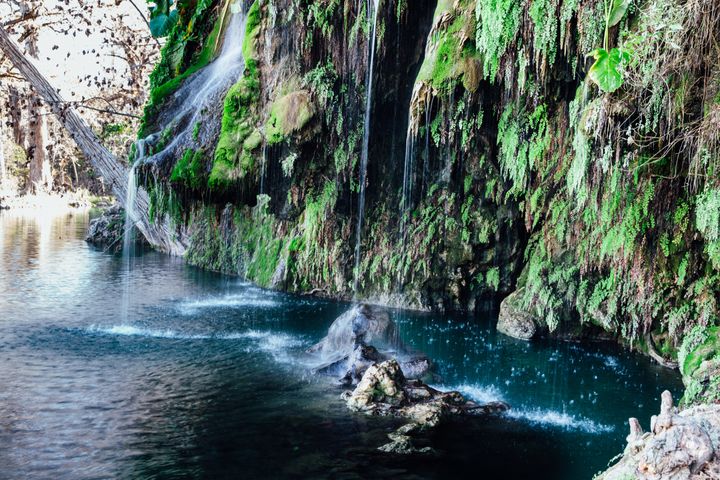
(201, 92)
(197, 95)
(263, 168)
(407, 188)
(372, 13)
(131, 219)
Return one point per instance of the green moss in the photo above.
(237, 127)
(703, 343)
(190, 169)
(289, 114)
(450, 56)
(252, 30)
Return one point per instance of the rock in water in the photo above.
(384, 390)
(107, 230)
(380, 389)
(680, 446)
(361, 325)
(347, 352)
(514, 320)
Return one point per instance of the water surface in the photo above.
(205, 379)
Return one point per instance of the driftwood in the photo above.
(106, 165)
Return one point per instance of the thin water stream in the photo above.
(206, 378)
(372, 8)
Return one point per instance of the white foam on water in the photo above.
(269, 341)
(561, 420)
(265, 341)
(227, 301)
(131, 331)
(278, 345)
(477, 393)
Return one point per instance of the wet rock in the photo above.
(384, 390)
(364, 325)
(402, 441)
(680, 446)
(514, 320)
(346, 352)
(380, 389)
(107, 230)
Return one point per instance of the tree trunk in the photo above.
(35, 147)
(110, 169)
(15, 113)
(3, 163)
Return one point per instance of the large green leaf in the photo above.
(605, 72)
(160, 25)
(617, 12)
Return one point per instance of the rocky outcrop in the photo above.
(363, 324)
(384, 390)
(107, 230)
(699, 360)
(346, 351)
(681, 445)
(515, 320)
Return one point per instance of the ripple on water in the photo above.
(278, 344)
(477, 393)
(255, 299)
(561, 420)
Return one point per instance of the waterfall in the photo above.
(201, 91)
(46, 178)
(426, 160)
(3, 168)
(408, 184)
(372, 13)
(263, 168)
(128, 251)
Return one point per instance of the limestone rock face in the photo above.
(380, 388)
(680, 446)
(514, 321)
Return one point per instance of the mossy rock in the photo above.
(288, 116)
(700, 365)
(253, 141)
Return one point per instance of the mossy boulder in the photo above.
(699, 359)
(288, 116)
(515, 320)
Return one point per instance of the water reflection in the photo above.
(203, 379)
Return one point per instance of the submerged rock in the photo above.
(514, 320)
(680, 446)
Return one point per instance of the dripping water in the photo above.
(407, 188)
(202, 91)
(263, 168)
(131, 219)
(426, 160)
(3, 168)
(372, 13)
